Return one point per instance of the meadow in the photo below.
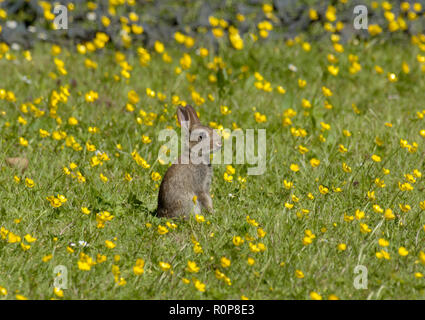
(343, 184)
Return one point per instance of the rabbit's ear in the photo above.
(183, 117)
(193, 115)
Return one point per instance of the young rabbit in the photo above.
(185, 188)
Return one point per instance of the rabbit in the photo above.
(186, 179)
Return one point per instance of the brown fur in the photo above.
(184, 181)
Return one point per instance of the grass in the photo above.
(134, 230)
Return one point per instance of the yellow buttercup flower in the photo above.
(162, 230)
(192, 267)
(294, 167)
(199, 285)
(29, 183)
(389, 215)
(323, 190)
(237, 241)
(91, 96)
(404, 207)
(109, 244)
(299, 274)
(165, 266)
(58, 292)
(315, 296)
(225, 263)
(403, 251)
(138, 268)
(342, 247)
(364, 228)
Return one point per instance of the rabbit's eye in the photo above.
(202, 136)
